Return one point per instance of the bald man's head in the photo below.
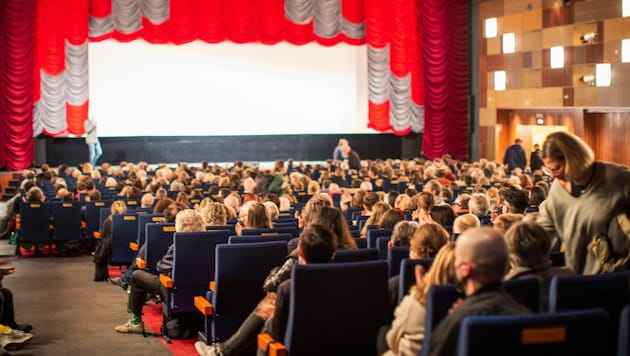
(487, 250)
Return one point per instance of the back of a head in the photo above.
(118, 207)
(465, 222)
(515, 198)
(487, 249)
(317, 244)
(189, 220)
(390, 218)
(443, 214)
(403, 232)
(258, 217)
(214, 214)
(272, 209)
(313, 206)
(504, 221)
(427, 240)
(333, 219)
(478, 204)
(529, 244)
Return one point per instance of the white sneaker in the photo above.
(14, 339)
(208, 350)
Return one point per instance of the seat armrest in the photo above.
(97, 235)
(142, 264)
(203, 305)
(270, 346)
(166, 281)
(133, 246)
(211, 286)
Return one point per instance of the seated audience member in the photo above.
(102, 254)
(479, 205)
(463, 223)
(443, 215)
(425, 243)
(481, 259)
(403, 232)
(7, 311)
(333, 219)
(514, 200)
(426, 202)
(503, 222)
(406, 334)
(147, 201)
(272, 210)
(255, 217)
(377, 212)
(214, 214)
(390, 218)
(144, 283)
(529, 245)
(317, 245)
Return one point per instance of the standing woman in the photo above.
(583, 202)
(278, 184)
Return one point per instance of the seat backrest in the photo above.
(143, 220)
(260, 232)
(124, 231)
(103, 214)
(229, 227)
(408, 274)
(526, 291)
(93, 215)
(608, 291)
(159, 236)
(193, 266)
(570, 333)
(321, 323)
(557, 259)
(361, 242)
(372, 235)
(239, 274)
(381, 245)
(259, 238)
(67, 218)
(623, 348)
(34, 223)
(363, 254)
(394, 256)
(439, 300)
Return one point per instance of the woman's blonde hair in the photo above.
(189, 220)
(119, 207)
(504, 221)
(214, 214)
(570, 149)
(428, 239)
(442, 272)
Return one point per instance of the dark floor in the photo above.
(71, 314)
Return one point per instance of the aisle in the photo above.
(71, 314)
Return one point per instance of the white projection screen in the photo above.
(200, 89)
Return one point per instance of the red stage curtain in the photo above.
(446, 78)
(16, 86)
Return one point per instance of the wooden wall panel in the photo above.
(557, 36)
(621, 75)
(612, 52)
(511, 23)
(487, 117)
(557, 16)
(626, 27)
(585, 96)
(584, 27)
(601, 133)
(493, 46)
(486, 142)
(532, 78)
(526, 98)
(495, 62)
(516, 6)
(491, 9)
(532, 20)
(600, 9)
(531, 41)
(558, 77)
(613, 30)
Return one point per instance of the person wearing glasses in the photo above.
(583, 203)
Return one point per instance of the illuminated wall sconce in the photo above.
(603, 75)
(557, 57)
(625, 51)
(589, 37)
(509, 43)
(625, 8)
(540, 119)
(588, 79)
(491, 27)
(499, 80)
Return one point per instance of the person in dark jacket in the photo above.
(515, 156)
(144, 283)
(535, 158)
